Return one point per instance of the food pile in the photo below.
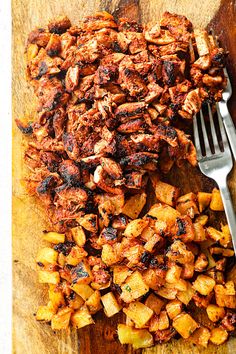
(111, 99)
(115, 101)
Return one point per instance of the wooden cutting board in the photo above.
(30, 336)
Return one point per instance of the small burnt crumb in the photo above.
(151, 217)
(72, 295)
(181, 227)
(109, 233)
(146, 258)
(65, 247)
(116, 288)
(40, 264)
(47, 184)
(25, 129)
(153, 263)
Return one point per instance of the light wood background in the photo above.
(30, 336)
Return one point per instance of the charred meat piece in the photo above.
(70, 172)
(71, 146)
(128, 111)
(59, 25)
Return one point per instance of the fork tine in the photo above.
(205, 137)
(213, 131)
(196, 137)
(222, 129)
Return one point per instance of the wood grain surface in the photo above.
(30, 336)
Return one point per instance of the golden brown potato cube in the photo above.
(183, 229)
(81, 318)
(56, 296)
(216, 201)
(89, 222)
(167, 293)
(204, 200)
(199, 232)
(75, 302)
(226, 236)
(154, 303)
(201, 263)
(185, 325)
(174, 308)
(165, 193)
(147, 233)
(112, 254)
(186, 296)
(187, 205)
(134, 287)
(204, 284)
(48, 277)
(62, 319)
(81, 274)
(133, 255)
(218, 335)
(173, 274)
(120, 273)
(111, 306)
(151, 243)
(83, 290)
(32, 51)
(139, 313)
(164, 213)
(134, 205)
(224, 295)
(163, 321)
(54, 237)
(46, 256)
(187, 271)
(154, 324)
(213, 233)
(53, 47)
(45, 313)
(201, 336)
(201, 219)
(214, 312)
(154, 278)
(135, 228)
(79, 236)
(59, 25)
(139, 338)
(94, 303)
(224, 252)
(75, 256)
(178, 252)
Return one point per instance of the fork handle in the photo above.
(229, 126)
(229, 211)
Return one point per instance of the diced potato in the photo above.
(94, 303)
(61, 259)
(120, 273)
(201, 219)
(129, 322)
(139, 313)
(83, 290)
(204, 200)
(178, 252)
(75, 302)
(213, 233)
(111, 306)
(154, 324)
(62, 319)
(167, 293)
(139, 338)
(199, 232)
(147, 233)
(214, 312)
(135, 228)
(32, 51)
(133, 254)
(205, 249)
(201, 263)
(163, 321)
(218, 335)
(201, 336)
(154, 303)
(183, 229)
(151, 243)
(226, 236)
(45, 313)
(134, 287)
(89, 222)
(164, 213)
(174, 308)
(160, 227)
(224, 252)
(54, 237)
(112, 254)
(134, 205)
(46, 256)
(224, 295)
(173, 274)
(75, 256)
(187, 270)
(56, 296)
(185, 325)
(79, 236)
(186, 296)
(47, 277)
(81, 318)
(216, 201)
(186, 205)
(165, 193)
(154, 278)
(116, 200)
(204, 284)
(82, 274)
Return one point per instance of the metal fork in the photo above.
(216, 164)
(223, 108)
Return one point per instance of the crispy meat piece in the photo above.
(111, 167)
(133, 126)
(40, 37)
(59, 25)
(72, 78)
(145, 159)
(103, 181)
(132, 81)
(70, 172)
(71, 146)
(99, 20)
(44, 64)
(53, 47)
(179, 26)
(128, 111)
